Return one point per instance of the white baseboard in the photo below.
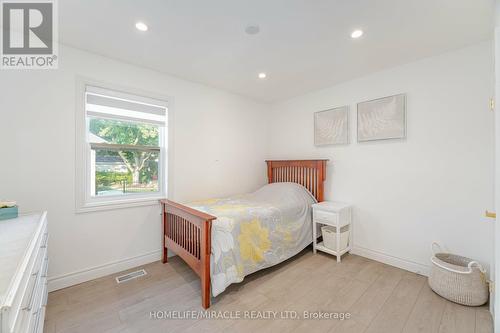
(405, 264)
(70, 279)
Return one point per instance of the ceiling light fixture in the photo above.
(262, 75)
(141, 26)
(356, 34)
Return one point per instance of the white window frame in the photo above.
(85, 202)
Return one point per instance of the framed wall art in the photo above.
(382, 118)
(331, 127)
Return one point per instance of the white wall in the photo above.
(433, 186)
(218, 149)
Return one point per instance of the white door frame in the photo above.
(495, 302)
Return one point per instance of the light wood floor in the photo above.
(379, 298)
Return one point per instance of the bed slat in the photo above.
(184, 233)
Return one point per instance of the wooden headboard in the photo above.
(309, 173)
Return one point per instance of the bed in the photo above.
(224, 240)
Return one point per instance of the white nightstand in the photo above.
(338, 215)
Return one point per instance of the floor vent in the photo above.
(130, 276)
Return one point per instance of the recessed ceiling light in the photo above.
(262, 75)
(252, 29)
(357, 33)
(141, 26)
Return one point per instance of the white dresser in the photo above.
(23, 273)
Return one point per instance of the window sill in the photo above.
(118, 204)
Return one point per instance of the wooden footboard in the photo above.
(187, 232)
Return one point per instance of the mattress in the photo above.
(257, 230)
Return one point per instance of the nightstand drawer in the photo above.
(325, 217)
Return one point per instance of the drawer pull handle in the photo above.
(45, 241)
(45, 268)
(32, 295)
(45, 296)
(37, 320)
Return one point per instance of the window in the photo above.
(124, 148)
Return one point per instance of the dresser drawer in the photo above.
(28, 297)
(34, 318)
(38, 328)
(33, 302)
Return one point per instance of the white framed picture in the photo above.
(382, 118)
(331, 127)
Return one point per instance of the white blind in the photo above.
(100, 102)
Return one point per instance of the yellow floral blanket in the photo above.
(257, 230)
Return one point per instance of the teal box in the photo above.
(8, 213)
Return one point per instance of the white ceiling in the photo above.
(303, 45)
